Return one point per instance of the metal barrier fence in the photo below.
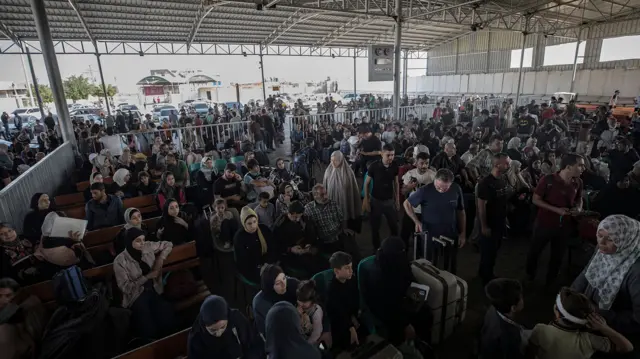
(46, 176)
(195, 136)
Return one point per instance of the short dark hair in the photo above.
(503, 293)
(264, 195)
(220, 201)
(230, 167)
(97, 186)
(484, 112)
(340, 259)
(296, 207)
(252, 163)
(495, 137)
(143, 174)
(171, 155)
(388, 147)
(307, 291)
(499, 156)
(570, 159)
(422, 156)
(9, 283)
(444, 175)
(576, 303)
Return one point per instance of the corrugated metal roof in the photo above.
(337, 23)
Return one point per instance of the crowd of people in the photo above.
(477, 176)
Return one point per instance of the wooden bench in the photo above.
(185, 252)
(171, 347)
(82, 186)
(106, 235)
(75, 212)
(69, 200)
(145, 204)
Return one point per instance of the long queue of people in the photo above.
(274, 228)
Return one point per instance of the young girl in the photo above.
(224, 223)
(577, 332)
(309, 310)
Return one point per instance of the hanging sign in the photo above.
(381, 63)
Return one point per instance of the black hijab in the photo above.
(132, 234)
(395, 268)
(172, 231)
(268, 278)
(34, 219)
(284, 335)
(202, 342)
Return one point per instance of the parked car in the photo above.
(30, 111)
(201, 108)
(158, 109)
(165, 113)
(87, 117)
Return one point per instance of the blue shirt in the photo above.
(439, 210)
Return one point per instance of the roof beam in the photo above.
(297, 17)
(4, 30)
(345, 29)
(76, 9)
(204, 10)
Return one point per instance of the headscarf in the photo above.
(164, 188)
(342, 187)
(515, 178)
(394, 265)
(92, 177)
(23, 168)
(125, 157)
(119, 176)
(529, 144)
(284, 334)
(247, 213)
(207, 172)
(34, 201)
(128, 213)
(130, 236)
(213, 310)
(606, 272)
(514, 144)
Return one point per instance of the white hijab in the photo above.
(606, 272)
(119, 176)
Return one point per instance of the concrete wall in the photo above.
(592, 83)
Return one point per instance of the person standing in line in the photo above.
(558, 196)
(442, 211)
(384, 198)
(492, 201)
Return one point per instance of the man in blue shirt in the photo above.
(442, 206)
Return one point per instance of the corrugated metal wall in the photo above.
(490, 52)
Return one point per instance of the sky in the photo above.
(125, 70)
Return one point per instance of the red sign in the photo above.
(153, 90)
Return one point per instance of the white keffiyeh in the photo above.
(606, 272)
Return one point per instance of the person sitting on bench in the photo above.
(276, 287)
(21, 323)
(174, 225)
(138, 272)
(223, 333)
(253, 246)
(103, 210)
(224, 222)
(133, 219)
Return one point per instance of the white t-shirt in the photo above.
(113, 143)
(423, 179)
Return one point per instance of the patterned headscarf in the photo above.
(606, 272)
(247, 213)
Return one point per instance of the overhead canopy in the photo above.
(154, 80)
(314, 23)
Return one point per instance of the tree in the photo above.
(77, 87)
(45, 93)
(97, 90)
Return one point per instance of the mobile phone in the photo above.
(321, 346)
(414, 180)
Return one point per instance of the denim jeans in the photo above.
(260, 146)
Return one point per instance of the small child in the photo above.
(265, 210)
(224, 224)
(501, 336)
(577, 332)
(309, 310)
(343, 303)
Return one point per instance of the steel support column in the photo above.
(355, 87)
(26, 79)
(53, 71)
(397, 59)
(488, 52)
(104, 87)
(264, 88)
(524, 43)
(34, 79)
(405, 68)
(575, 61)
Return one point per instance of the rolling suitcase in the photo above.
(375, 347)
(447, 297)
(432, 248)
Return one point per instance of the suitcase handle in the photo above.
(427, 267)
(447, 239)
(435, 239)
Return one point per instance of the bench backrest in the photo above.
(170, 347)
(106, 235)
(181, 257)
(69, 200)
